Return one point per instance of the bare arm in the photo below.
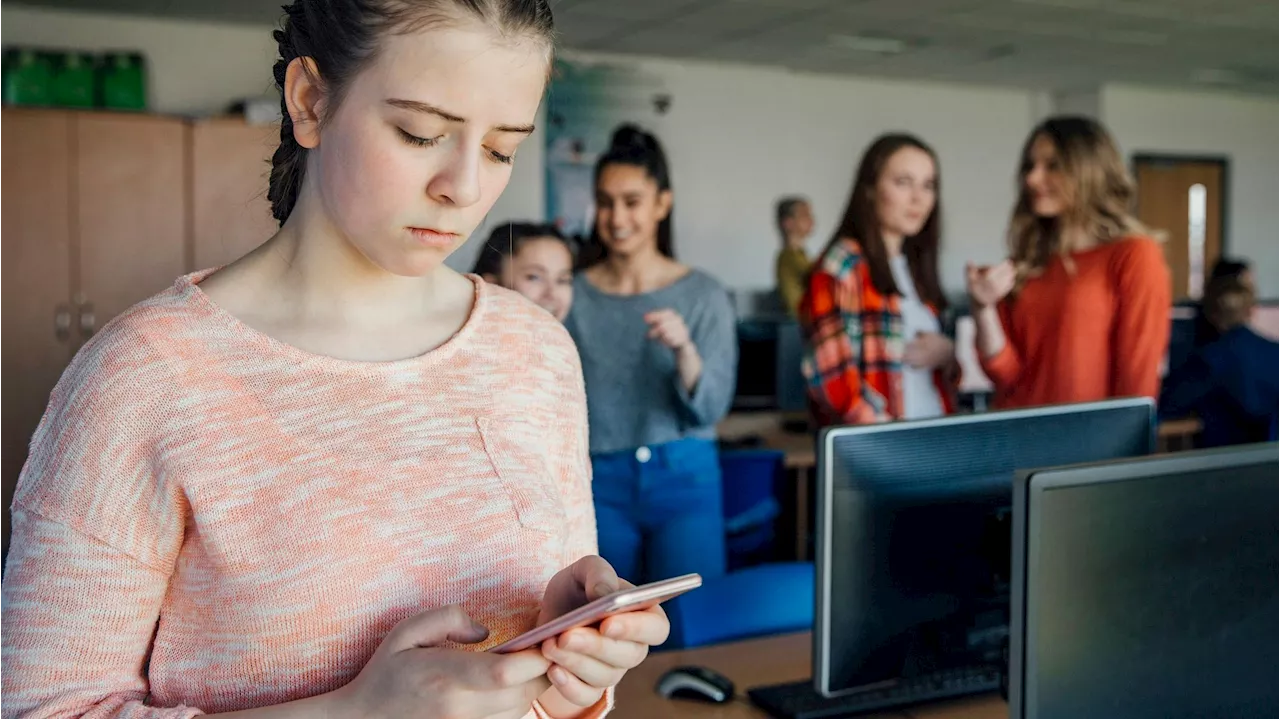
(990, 331)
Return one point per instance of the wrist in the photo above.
(555, 706)
(338, 704)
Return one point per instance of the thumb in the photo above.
(437, 626)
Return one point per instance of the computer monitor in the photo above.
(1147, 588)
(913, 537)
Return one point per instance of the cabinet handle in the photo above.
(88, 321)
(62, 323)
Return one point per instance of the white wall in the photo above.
(196, 68)
(739, 137)
(1242, 128)
(1087, 103)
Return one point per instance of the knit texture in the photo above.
(211, 520)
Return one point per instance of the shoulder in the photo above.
(701, 291)
(135, 353)
(107, 424)
(515, 330)
(841, 259)
(1137, 251)
(701, 282)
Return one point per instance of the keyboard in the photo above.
(801, 701)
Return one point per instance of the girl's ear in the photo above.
(305, 98)
(664, 204)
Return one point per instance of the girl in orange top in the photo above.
(320, 481)
(875, 349)
(1080, 310)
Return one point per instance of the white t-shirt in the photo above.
(919, 395)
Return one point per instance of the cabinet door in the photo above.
(231, 164)
(130, 182)
(36, 276)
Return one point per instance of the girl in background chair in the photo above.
(1081, 309)
(659, 355)
(532, 259)
(875, 349)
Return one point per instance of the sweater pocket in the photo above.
(518, 452)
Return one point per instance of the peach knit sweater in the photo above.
(211, 520)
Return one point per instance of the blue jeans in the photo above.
(659, 510)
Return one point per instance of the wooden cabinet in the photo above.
(231, 164)
(101, 211)
(129, 211)
(37, 317)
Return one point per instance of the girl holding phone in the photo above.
(315, 482)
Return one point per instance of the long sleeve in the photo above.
(76, 641)
(1140, 335)
(1005, 366)
(829, 318)
(714, 332)
(95, 536)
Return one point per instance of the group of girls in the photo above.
(1078, 311)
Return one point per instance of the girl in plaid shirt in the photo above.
(871, 313)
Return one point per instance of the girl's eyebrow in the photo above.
(415, 106)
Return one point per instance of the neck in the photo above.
(322, 275)
(892, 243)
(638, 272)
(794, 242)
(1075, 239)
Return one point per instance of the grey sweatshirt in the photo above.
(634, 393)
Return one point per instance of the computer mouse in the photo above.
(696, 683)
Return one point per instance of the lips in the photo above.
(433, 238)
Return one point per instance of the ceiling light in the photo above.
(864, 43)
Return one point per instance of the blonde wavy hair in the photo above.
(1099, 197)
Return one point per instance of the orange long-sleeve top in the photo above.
(211, 520)
(1096, 331)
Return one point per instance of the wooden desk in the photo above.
(799, 447)
(758, 662)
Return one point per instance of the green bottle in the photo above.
(124, 82)
(73, 83)
(28, 78)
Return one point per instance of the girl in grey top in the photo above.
(659, 355)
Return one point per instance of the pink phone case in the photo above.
(629, 600)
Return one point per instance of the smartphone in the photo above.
(628, 600)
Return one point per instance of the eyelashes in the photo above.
(415, 141)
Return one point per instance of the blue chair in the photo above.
(751, 480)
(755, 602)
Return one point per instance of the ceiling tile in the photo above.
(1046, 44)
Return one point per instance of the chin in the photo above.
(622, 247)
(1046, 209)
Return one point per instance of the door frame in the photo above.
(1224, 217)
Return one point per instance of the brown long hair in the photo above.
(1099, 190)
(861, 223)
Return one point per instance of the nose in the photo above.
(1035, 177)
(457, 183)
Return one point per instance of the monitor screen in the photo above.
(913, 533)
(1150, 589)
